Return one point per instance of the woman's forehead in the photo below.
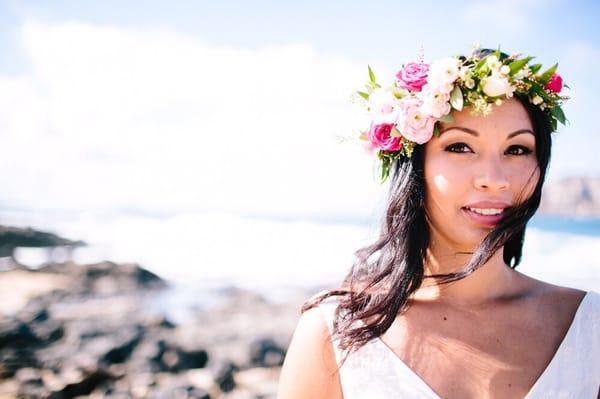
(509, 117)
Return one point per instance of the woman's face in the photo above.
(482, 163)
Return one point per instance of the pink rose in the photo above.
(379, 135)
(413, 76)
(414, 124)
(555, 83)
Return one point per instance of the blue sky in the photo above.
(103, 83)
(378, 30)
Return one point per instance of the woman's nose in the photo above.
(490, 175)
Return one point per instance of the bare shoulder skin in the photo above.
(310, 370)
(496, 350)
(525, 330)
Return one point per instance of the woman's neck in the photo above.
(492, 282)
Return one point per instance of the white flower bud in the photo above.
(492, 62)
(492, 59)
(522, 73)
(537, 100)
(495, 86)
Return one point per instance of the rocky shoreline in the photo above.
(89, 331)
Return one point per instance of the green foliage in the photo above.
(545, 77)
(535, 68)
(517, 65)
(456, 98)
(372, 76)
(558, 113)
(363, 95)
(407, 146)
(385, 168)
(539, 90)
(446, 118)
(480, 65)
(387, 160)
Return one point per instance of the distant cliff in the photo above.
(573, 196)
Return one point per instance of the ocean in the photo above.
(204, 252)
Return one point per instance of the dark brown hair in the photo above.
(386, 273)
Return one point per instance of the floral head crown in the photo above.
(406, 113)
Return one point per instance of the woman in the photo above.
(435, 307)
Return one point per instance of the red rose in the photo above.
(555, 83)
(380, 136)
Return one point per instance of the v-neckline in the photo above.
(558, 351)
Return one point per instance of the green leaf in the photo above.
(566, 85)
(385, 169)
(371, 86)
(554, 124)
(545, 77)
(456, 98)
(436, 130)
(535, 67)
(363, 95)
(517, 65)
(481, 63)
(395, 133)
(371, 75)
(446, 118)
(558, 113)
(539, 90)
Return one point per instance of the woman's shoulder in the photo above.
(310, 367)
(566, 302)
(552, 292)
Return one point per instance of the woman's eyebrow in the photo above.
(476, 134)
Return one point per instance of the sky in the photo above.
(241, 106)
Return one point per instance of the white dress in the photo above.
(376, 372)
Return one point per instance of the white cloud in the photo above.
(109, 117)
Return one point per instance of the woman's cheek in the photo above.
(523, 179)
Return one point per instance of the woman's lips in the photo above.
(486, 220)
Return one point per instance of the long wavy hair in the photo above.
(386, 273)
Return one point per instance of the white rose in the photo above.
(435, 101)
(463, 72)
(443, 72)
(383, 105)
(437, 110)
(496, 85)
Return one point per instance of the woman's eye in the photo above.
(512, 150)
(519, 150)
(457, 147)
